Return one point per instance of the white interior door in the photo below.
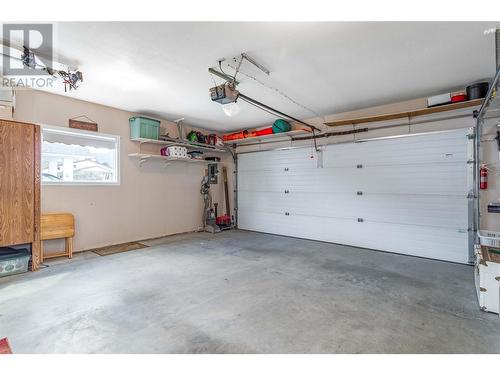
(405, 195)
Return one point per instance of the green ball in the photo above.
(281, 126)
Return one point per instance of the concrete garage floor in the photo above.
(245, 292)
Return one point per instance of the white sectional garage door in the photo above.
(405, 195)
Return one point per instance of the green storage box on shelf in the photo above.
(143, 127)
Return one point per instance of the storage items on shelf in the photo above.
(174, 151)
(145, 157)
(143, 127)
(195, 136)
(197, 155)
(472, 92)
(213, 159)
(265, 131)
(214, 140)
(234, 136)
(438, 99)
(279, 126)
(146, 131)
(274, 137)
(458, 97)
(477, 90)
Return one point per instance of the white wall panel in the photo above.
(406, 195)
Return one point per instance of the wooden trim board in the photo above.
(407, 114)
(36, 250)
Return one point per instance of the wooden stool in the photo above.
(57, 226)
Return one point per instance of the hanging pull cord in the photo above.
(314, 140)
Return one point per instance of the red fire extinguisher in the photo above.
(483, 177)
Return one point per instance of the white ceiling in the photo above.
(160, 69)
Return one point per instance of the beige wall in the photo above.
(152, 200)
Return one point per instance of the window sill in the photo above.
(49, 183)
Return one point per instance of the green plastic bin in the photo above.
(143, 127)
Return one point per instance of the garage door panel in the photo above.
(276, 160)
(448, 212)
(446, 179)
(411, 194)
(417, 149)
(448, 244)
(298, 226)
(432, 211)
(256, 201)
(262, 181)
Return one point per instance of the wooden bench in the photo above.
(57, 226)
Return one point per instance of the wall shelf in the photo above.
(269, 138)
(146, 157)
(178, 142)
(407, 114)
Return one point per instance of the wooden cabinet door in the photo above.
(17, 183)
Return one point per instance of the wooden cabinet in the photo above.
(20, 186)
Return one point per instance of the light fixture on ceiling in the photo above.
(231, 109)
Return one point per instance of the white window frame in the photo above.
(88, 134)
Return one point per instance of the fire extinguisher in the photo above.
(483, 177)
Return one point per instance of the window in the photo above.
(79, 157)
